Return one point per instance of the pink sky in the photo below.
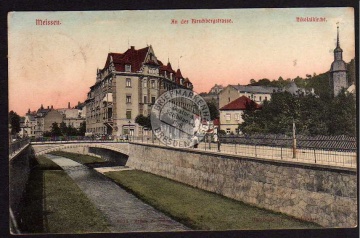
(54, 65)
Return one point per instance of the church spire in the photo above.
(338, 41)
(338, 51)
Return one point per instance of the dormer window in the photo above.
(128, 68)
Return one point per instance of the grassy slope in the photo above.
(83, 159)
(53, 203)
(200, 209)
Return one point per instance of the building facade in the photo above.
(27, 125)
(338, 77)
(40, 121)
(231, 114)
(126, 87)
(72, 116)
(256, 93)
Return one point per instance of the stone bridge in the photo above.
(41, 148)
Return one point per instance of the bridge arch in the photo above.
(43, 148)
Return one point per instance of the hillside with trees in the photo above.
(312, 115)
(318, 114)
(320, 83)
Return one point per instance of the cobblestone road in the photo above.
(123, 210)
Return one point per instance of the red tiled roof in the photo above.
(178, 74)
(241, 103)
(167, 68)
(133, 57)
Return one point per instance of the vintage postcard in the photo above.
(182, 120)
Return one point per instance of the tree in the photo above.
(55, 130)
(82, 129)
(312, 115)
(342, 115)
(63, 128)
(14, 120)
(71, 131)
(143, 121)
(351, 75)
(214, 112)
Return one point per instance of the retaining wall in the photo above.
(321, 194)
(19, 170)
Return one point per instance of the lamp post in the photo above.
(294, 140)
(129, 130)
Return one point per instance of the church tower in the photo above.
(338, 79)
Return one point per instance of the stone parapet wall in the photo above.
(317, 193)
(19, 170)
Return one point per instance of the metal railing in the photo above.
(18, 145)
(79, 138)
(309, 151)
(334, 151)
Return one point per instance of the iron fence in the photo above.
(18, 145)
(335, 151)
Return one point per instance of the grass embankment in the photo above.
(199, 209)
(53, 203)
(83, 159)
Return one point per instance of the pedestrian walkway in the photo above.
(123, 210)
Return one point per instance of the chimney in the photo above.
(69, 105)
(52, 107)
(133, 47)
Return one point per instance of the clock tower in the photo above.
(338, 79)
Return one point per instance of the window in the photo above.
(260, 98)
(127, 68)
(128, 114)
(229, 99)
(152, 84)
(265, 98)
(228, 131)
(126, 131)
(153, 71)
(153, 100)
(237, 116)
(227, 117)
(145, 99)
(128, 99)
(128, 83)
(144, 84)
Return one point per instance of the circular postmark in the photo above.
(180, 118)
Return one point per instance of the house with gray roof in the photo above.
(256, 93)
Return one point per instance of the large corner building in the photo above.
(126, 87)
